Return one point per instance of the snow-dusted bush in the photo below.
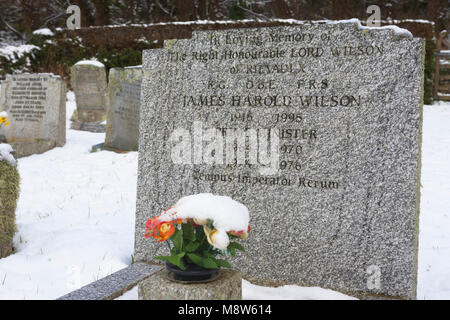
(57, 51)
(9, 193)
(16, 59)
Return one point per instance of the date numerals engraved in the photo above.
(287, 118)
(241, 116)
(290, 165)
(294, 149)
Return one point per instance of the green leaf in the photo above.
(208, 255)
(222, 263)
(204, 262)
(209, 224)
(209, 263)
(177, 239)
(235, 245)
(200, 234)
(215, 252)
(192, 246)
(219, 262)
(188, 231)
(204, 246)
(173, 259)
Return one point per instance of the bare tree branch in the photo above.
(259, 15)
(162, 8)
(54, 17)
(12, 28)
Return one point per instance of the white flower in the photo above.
(200, 222)
(217, 238)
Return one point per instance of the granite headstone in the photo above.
(36, 107)
(88, 79)
(315, 128)
(122, 114)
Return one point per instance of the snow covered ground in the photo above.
(434, 237)
(75, 219)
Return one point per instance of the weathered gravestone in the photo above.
(122, 115)
(316, 128)
(36, 107)
(88, 79)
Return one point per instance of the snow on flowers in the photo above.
(200, 227)
(6, 154)
(5, 149)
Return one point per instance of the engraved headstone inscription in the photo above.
(122, 114)
(316, 128)
(36, 107)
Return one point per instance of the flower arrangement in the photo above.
(4, 119)
(199, 228)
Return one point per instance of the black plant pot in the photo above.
(193, 273)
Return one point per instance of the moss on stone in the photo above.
(9, 193)
(170, 43)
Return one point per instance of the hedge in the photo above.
(120, 46)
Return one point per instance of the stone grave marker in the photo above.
(122, 115)
(88, 80)
(315, 128)
(36, 107)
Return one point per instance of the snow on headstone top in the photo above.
(94, 63)
(5, 154)
(400, 32)
(43, 32)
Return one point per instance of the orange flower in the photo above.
(160, 230)
(166, 230)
